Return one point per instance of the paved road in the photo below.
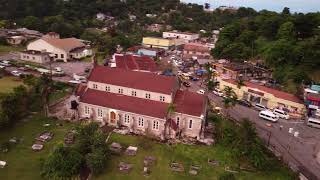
(299, 152)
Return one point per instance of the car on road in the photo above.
(268, 115)
(201, 91)
(16, 73)
(186, 84)
(217, 92)
(244, 102)
(260, 107)
(281, 113)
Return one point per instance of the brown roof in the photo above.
(275, 92)
(133, 79)
(190, 103)
(125, 103)
(67, 44)
(196, 47)
(134, 62)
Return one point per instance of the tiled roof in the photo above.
(196, 47)
(125, 103)
(134, 62)
(133, 79)
(190, 103)
(275, 92)
(67, 44)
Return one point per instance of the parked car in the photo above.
(217, 92)
(4, 63)
(281, 113)
(194, 78)
(244, 102)
(269, 116)
(186, 84)
(260, 107)
(74, 82)
(16, 73)
(201, 91)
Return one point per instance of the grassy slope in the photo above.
(6, 49)
(22, 162)
(184, 154)
(8, 83)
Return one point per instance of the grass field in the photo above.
(185, 154)
(22, 162)
(8, 83)
(6, 49)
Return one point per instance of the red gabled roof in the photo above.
(190, 103)
(125, 103)
(133, 79)
(134, 62)
(275, 92)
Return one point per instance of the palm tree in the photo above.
(230, 100)
(170, 110)
(46, 87)
(240, 83)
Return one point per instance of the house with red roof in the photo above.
(269, 97)
(196, 50)
(140, 101)
(134, 62)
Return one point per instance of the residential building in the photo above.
(266, 96)
(188, 37)
(16, 40)
(244, 71)
(52, 35)
(197, 50)
(63, 49)
(134, 62)
(155, 42)
(140, 101)
(35, 56)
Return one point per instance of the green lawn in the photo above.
(8, 83)
(185, 154)
(22, 162)
(7, 49)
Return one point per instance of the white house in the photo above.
(187, 36)
(63, 49)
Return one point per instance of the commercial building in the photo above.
(266, 96)
(244, 71)
(140, 102)
(35, 56)
(155, 42)
(312, 101)
(186, 36)
(196, 50)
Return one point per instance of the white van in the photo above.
(313, 122)
(282, 114)
(268, 115)
(260, 107)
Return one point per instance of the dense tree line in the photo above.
(287, 43)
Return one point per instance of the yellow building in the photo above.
(268, 97)
(155, 42)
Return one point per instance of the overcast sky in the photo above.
(275, 5)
